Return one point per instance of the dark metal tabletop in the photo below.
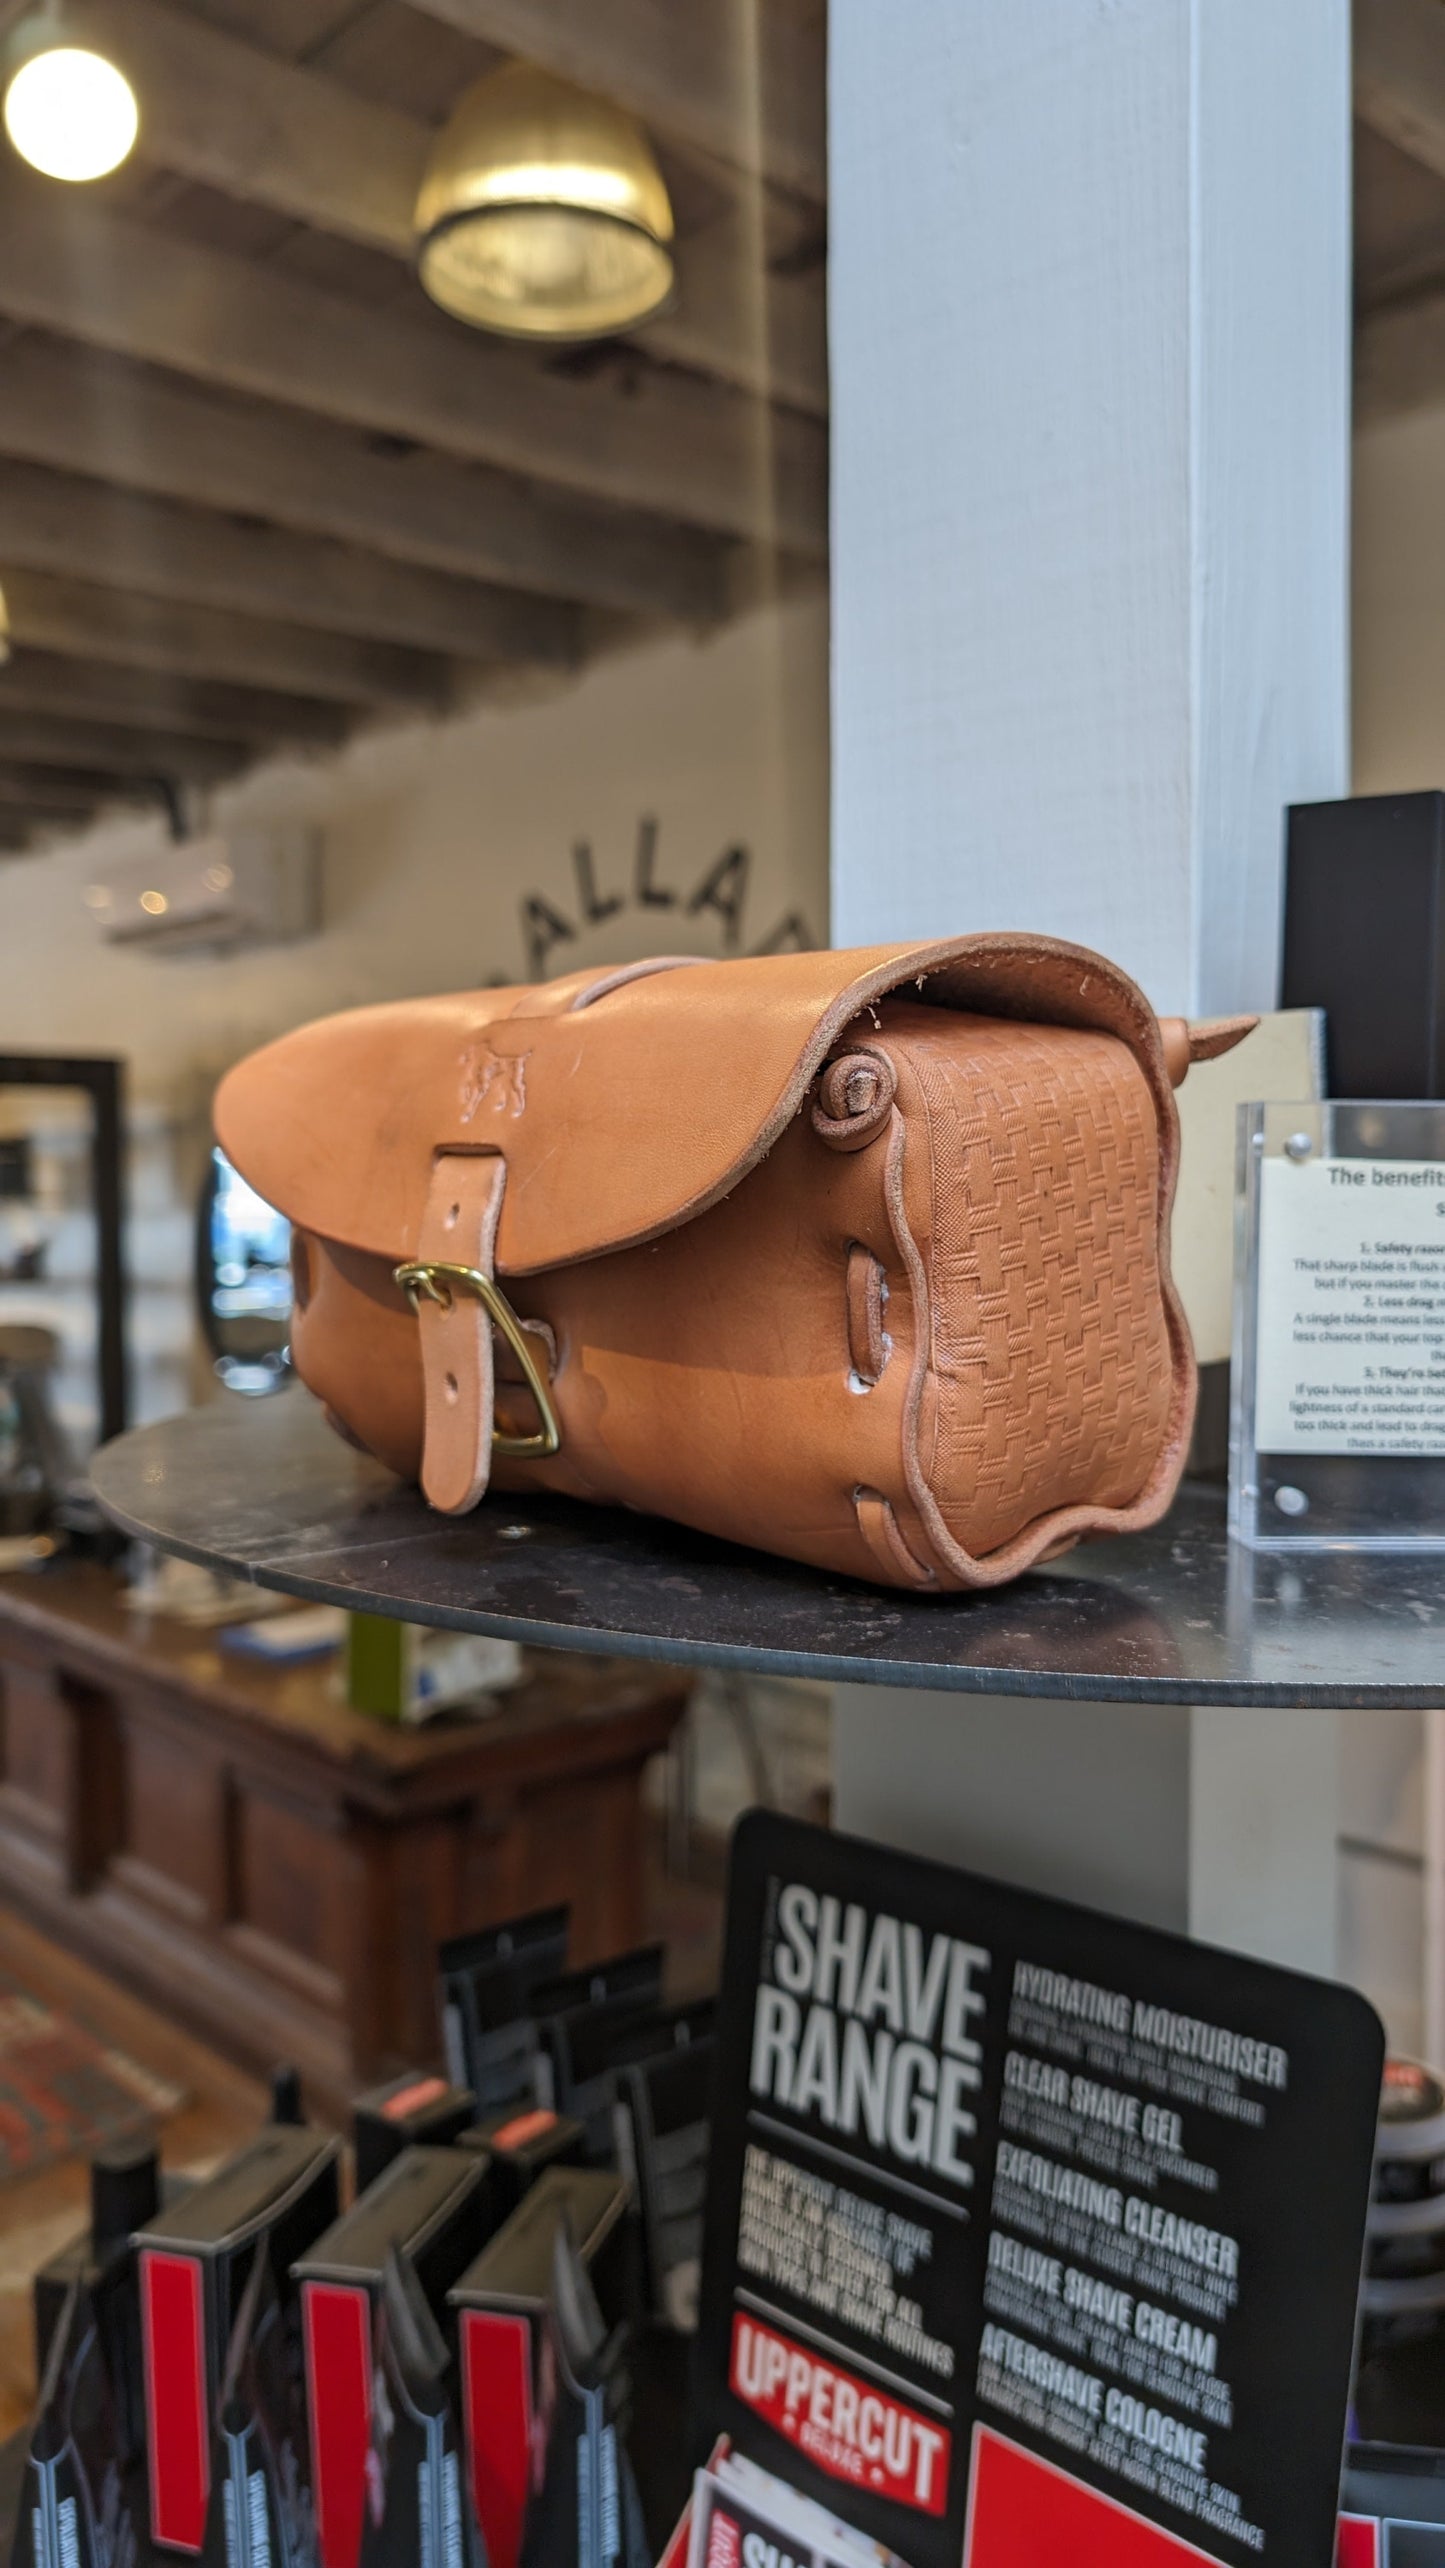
(263, 1490)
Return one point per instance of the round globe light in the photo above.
(70, 113)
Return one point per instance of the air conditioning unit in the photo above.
(238, 887)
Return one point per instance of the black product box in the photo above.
(431, 2203)
(486, 1984)
(502, 2304)
(577, 2016)
(413, 2111)
(664, 2129)
(522, 2145)
(1392, 2507)
(593, 2044)
(1364, 938)
(125, 2191)
(194, 2260)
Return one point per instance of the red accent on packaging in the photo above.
(1025, 2513)
(177, 2439)
(336, 2322)
(1359, 2542)
(525, 2127)
(410, 2099)
(497, 2405)
(842, 2424)
(724, 2542)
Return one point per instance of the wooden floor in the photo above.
(39, 2213)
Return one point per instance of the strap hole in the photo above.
(453, 1216)
(451, 1386)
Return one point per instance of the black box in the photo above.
(664, 2108)
(195, 2261)
(503, 2308)
(1364, 939)
(522, 2146)
(434, 2204)
(414, 2111)
(579, 2012)
(486, 1984)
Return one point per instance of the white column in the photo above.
(1090, 327)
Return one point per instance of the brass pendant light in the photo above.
(543, 213)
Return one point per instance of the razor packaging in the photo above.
(195, 2258)
(506, 2335)
(125, 2190)
(432, 2205)
(418, 2514)
(414, 2111)
(260, 2511)
(522, 2145)
(663, 2123)
(487, 1981)
(76, 2509)
(579, 2016)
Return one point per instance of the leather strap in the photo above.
(459, 1228)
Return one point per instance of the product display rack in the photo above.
(1180, 1615)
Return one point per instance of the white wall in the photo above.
(1090, 470)
(434, 834)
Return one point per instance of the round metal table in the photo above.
(262, 1489)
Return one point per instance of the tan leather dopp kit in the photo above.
(862, 1258)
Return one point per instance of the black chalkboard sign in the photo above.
(1033, 2237)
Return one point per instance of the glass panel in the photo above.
(1338, 1426)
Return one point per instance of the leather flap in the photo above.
(623, 1102)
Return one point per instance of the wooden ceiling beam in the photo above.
(155, 433)
(219, 111)
(658, 439)
(749, 84)
(32, 823)
(47, 793)
(80, 616)
(1400, 74)
(34, 681)
(113, 749)
(84, 529)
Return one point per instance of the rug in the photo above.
(64, 2092)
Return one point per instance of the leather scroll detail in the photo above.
(1203, 1040)
(879, 1528)
(868, 1346)
(854, 1100)
(459, 1228)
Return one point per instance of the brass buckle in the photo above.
(422, 1282)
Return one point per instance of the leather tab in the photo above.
(1202, 1040)
(459, 1228)
(880, 1530)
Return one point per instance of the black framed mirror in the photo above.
(243, 1281)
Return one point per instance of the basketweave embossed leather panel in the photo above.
(862, 1258)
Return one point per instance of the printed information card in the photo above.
(1032, 2236)
(1351, 1348)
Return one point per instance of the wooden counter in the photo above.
(276, 1871)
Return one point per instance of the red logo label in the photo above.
(724, 2548)
(840, 2423)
